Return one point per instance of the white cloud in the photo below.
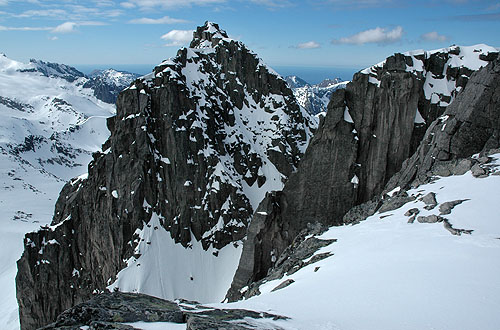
(377, 35)
(53, 38)
(71, 12)
(127, 5)
(273, 3)
(167, 4)
(104, 3)
(177, 37)
(66, 27)
(308, 45)
(6, 2)
(23, 28)
(43, 13)
(162, 20)
(433, 36)
(70, 27)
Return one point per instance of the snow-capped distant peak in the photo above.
(114, 77)
(314, 98)
(296, 82)
(49, 69)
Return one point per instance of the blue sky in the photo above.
(324, 33)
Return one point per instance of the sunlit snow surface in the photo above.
(170, 271)
(388, 274)
(58, 113)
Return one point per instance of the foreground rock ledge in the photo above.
(113, 310)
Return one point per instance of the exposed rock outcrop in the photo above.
(112, 310)
(195, 145)
(370, 129)
(470, 125)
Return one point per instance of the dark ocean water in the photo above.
(312, 75)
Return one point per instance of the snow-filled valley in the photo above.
(49, 127)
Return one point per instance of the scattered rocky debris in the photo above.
(412, 211)
(23, 216)
(430, 201)
(446, 207)
(430, 219)
(283, 284)
(454, 231)
(395, 202)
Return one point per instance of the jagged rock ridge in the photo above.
(470, 125)
(371, 127)
(193, 149)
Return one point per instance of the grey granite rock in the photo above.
(180, 148)
(368, 133)
(429, 200)
(446, 207)
(112, 310)
(119, 308)
(470, 125)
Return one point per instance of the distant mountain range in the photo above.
(314, 98)
(107, 84)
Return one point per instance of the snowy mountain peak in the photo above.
(329, 82)
(49, 69)
(208, 36)
(296, 82)
(314, 98)
(115, 77)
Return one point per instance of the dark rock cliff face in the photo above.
(370, 129)
(197, 143)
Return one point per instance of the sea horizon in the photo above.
(312, 75)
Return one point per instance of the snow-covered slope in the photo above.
(314, 98)
(49, 126)
(390, 273)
